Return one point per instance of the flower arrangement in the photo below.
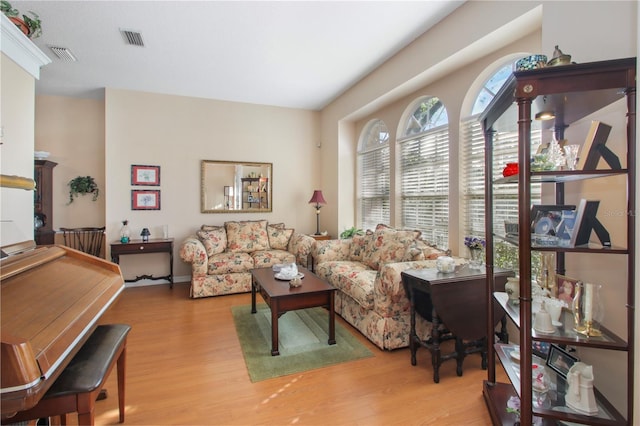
(513, 406)
(474, 243)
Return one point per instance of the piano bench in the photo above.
(79, 384)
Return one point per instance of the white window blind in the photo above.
(505, 196)
(424, 169)
(374, 172)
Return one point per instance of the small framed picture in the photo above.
(566, 288)
(560, 361)
(547, 220)
(540, 348)
(145, 175)
(145, 199)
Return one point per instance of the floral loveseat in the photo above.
(222, 256)
(366, 271)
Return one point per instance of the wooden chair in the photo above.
(80, 383)
(88, 240)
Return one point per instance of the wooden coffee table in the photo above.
(281, 298)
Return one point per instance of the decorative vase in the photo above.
(125, 232)
(512, 288)
(588, 309)
(510, 170)
(475, 261)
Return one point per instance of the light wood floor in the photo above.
(185, 367)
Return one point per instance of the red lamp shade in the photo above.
(317, 198)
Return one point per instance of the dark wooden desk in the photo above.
(456, 304)
(160, 245)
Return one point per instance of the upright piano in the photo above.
(51, 299)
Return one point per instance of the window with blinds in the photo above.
(424, 181)
(506, 196)
(374, 176)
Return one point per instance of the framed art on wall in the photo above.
(145, 199)
(145, 175)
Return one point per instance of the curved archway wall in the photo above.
(445, 62)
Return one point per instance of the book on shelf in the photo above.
(594, 147)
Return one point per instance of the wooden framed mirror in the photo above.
(235, 187)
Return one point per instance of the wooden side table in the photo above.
(320, 237)
(456, 304)
(160, 245)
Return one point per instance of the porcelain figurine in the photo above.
(580, 396)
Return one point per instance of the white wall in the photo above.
(16, 152)
(176, 133)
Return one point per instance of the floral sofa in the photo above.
(366, 271)
(222, 256)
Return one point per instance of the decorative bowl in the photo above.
(532, 62)
(560, 60)
(40, 155)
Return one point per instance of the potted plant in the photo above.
(30, 23)
(349, 233)
(82, 185)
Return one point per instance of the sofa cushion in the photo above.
(247, 236)
(230, 262)
(279, 237)
(352, 278)
(214, 239)
(389, 245)
(359, 245)
(268, 258)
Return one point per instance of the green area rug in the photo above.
(303, 337)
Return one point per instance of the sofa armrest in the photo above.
(331, 250)
(192, 251)
(300, 245)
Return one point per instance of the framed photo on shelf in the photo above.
(145, 199)
(594, 147)
(553, 221)
(566, 288)
(560, 361)
(540, 348)
(145, 175)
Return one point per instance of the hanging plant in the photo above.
(82, 185)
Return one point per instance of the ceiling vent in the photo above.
(63, 53)
(134, 38)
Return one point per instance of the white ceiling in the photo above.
(298, 54)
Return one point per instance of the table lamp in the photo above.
(318, 200)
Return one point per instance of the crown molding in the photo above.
(20, 49)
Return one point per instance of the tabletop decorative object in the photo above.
(475, 246)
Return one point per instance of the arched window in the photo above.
(374, 173)
(424, 171)
(472, 168)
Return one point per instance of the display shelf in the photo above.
(564, 334)
(572, 93)
(583, 248)
(551, 403)
(560, 176)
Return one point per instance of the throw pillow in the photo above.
(214, 240)
(247, 236)
(359, 246)
(389, 245)
(279, 237)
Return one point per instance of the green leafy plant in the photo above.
(83, 185)
(30, 20)
(7, 9)
(349, 233)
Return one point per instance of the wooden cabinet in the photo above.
(255, 193)
(574, 94)
(43, 202)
